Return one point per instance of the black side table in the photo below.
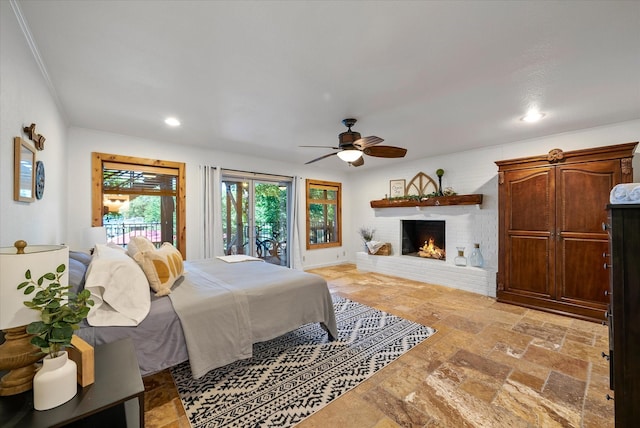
(116, 396)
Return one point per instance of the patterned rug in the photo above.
(291, 377)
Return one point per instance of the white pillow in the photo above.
(118, 287)
(162, 267)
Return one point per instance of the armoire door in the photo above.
(582, 194)
(526, 200)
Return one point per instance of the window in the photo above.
(137, 196)
(324, 214)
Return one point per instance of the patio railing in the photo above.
(271, 243)
(121, 233)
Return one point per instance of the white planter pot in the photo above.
(55, 383)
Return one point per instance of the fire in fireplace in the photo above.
(424, 238)
(431, 251)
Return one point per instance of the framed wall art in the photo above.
(24, 170)
(396, 188)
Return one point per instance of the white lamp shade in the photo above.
(40, 259)
(349, 155)
(93, 236)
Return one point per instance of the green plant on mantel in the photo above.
(418, 198)
(60, 310)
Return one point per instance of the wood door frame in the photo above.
(97, 165)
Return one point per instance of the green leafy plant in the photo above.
(366, 233)
(414, 197)
(60, 310)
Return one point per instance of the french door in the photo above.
(255, 215)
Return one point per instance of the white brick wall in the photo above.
(464, 226)
(467, 173)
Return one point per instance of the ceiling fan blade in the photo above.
(365, 142)
(385, 151)
(357, 162)
(324, 147)
(320, 158)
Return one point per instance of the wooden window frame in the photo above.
(98, 161)
(310, 183)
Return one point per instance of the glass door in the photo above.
(235, 218)
(255, 215)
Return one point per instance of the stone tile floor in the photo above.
(489, 365)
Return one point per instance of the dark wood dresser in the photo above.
(623, 315)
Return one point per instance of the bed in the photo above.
(214, 313)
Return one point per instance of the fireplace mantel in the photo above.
(434, 201)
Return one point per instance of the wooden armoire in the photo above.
(552, 249)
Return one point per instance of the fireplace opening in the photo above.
(424, 238)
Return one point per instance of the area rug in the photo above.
(291, 377)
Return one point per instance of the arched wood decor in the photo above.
(421, 184)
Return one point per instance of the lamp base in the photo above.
(18, 355)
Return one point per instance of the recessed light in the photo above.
(532, 116)
(172, 121)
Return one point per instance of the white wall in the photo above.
(82, 142)
(468, 172)
(26, 99)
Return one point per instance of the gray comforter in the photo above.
(278, 300)
(226, 307)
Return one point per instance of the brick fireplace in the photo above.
(462, 227)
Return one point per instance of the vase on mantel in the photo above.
(55, 382)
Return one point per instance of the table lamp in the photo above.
(17, 354)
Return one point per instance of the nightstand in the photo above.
(115, 399)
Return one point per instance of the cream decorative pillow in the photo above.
(139, 243)
(162, 267)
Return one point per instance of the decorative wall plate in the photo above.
(39, 179)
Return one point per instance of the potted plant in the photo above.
(367, 235)
(440, 173)
(61, 311)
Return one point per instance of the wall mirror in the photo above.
(24, 171)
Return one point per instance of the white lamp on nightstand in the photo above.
(17, 354)
(93, 236)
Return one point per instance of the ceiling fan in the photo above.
(351, 147)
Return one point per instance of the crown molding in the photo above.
(24, 26)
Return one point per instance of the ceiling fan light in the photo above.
(349, 155)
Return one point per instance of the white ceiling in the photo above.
(263, 77)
